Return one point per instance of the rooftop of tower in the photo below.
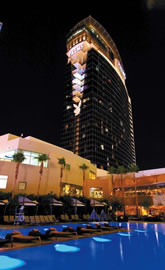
(90, 21)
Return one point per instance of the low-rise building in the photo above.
(29, 170)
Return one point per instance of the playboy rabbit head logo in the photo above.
(77, 108)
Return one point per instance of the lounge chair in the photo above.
(77, 218)
(11, 218)
(81, 230)
(86, 216)
(106, 228)
(62, 217)
(42, 218)
(53, 232)
(3, 242)
(47, 220)
(17, 236)
(36, 232)
(113, 227)
(73, 218)
(88, 226)
(32, 220)
(52, 218)
(26, 220)
(69, 229)
(66, 217)
(37, 219)
(6, 219)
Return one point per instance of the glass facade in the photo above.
(97, 122)
(30, 157)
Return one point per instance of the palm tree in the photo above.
(18, 158)
(83, 167)
(62, 163)
(41, 158)
(122, 170)
(134, 168)
(112, 171)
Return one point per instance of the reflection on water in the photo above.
(156, 233)
(145, 225)
(121, 251)
(145, 249)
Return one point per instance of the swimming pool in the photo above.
(141, 248)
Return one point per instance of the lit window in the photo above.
(102, 146)
(34, 161)
(66, 126)
(92, 175)
(106, 129)
(97, 68)
(96, 193)
(27, 159)
(68, 107)
(83, 136)
(3, 181)
(85, 99)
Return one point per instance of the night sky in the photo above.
(32, 68)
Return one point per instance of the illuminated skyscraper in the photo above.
(97, 121)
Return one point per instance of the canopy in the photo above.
(96, 203)
(27, 202)
(77, 203)
(54, 202)
(4, 202)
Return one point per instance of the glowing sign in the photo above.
(1, 25)
(77, 108)
(75, 49)
(121, 69)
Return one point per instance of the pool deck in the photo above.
(19, 245)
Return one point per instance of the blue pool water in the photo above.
(142, 248)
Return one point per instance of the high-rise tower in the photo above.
(97, 122)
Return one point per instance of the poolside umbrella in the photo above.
(26, 201)
(95, 203)
(54, 202)
(103, 215)
(76, 203)
(5, 203)
(94, 215)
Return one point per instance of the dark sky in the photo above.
(32, 67)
